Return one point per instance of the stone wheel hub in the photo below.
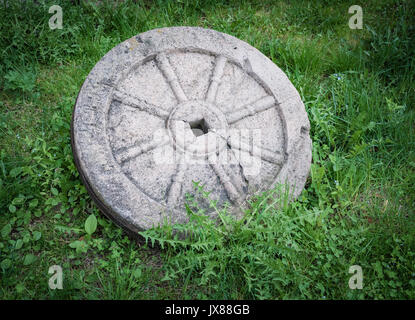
(173, 106)
(198, 127)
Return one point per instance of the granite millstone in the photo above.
(174, 106)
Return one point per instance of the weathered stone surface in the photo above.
(176, 105)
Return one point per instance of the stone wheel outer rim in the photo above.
(129, 228)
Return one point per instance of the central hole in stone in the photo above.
(199, 127)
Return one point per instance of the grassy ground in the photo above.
(358, 207)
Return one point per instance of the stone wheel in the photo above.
(176, 106)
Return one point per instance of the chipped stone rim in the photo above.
(114, 193)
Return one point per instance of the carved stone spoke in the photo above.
(257, 151)
(175, 191)
(142, 105)
(251, 109)
(127, 153)
(233, 191)
(168, 72)
(216, 78)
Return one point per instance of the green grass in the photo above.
(358, 87)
